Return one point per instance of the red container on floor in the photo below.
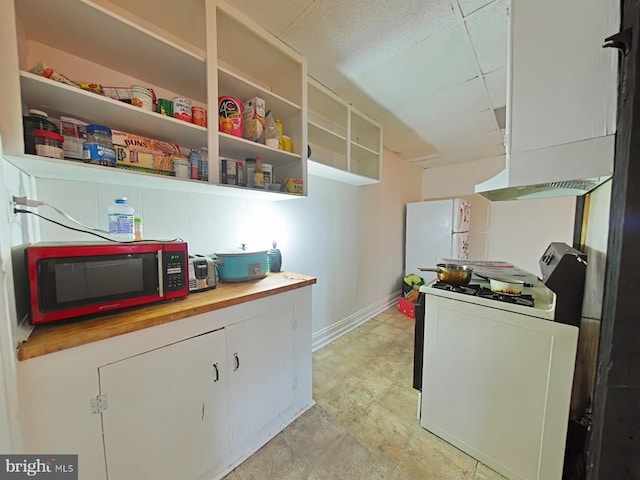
(406, 307)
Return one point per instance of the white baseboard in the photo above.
(336, 330)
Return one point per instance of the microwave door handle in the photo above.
(160, 275)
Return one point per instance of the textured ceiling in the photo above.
(430, 71)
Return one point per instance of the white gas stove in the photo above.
(497, 372)
(536, 299)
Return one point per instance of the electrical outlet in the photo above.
(12, 217)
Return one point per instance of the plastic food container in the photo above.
(287, 146)
(48, 144)
(98, 147)
(182, 167)
(36, 120)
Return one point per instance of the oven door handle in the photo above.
(160, 275)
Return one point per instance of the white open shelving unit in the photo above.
(114, 47)
(346, 145)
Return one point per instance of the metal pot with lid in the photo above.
(241, 264)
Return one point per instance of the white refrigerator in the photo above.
(435, 230)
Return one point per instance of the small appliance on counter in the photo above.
(202, 273)
(69, 280)
(241, 264)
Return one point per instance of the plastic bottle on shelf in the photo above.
(98, 147)
(271, 131)
(121, 216)
(203, 164)
(279, 125)
(194, 158)
(258, 176)
(137, 228)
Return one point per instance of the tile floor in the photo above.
(364, 423)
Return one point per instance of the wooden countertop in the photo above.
(59, 336)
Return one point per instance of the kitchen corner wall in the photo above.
(350, 238)
(516, 231)
(595, 238)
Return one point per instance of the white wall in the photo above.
(595, 241)
(460, 178)
(519, 231)
(350, 238)
(515, 231)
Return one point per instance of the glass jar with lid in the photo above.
(98, 147)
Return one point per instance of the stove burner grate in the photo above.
(483, 292)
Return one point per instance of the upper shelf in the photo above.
(240, 148)
(231, 84)
(92, 32)
(339, 175)
(57, 99)
(43, 167)
(331, 140)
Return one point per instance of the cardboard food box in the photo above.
(145, 160)
(293, 185)
(145, 170)
(145, 144)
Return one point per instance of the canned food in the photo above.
(182, 109)
(165, 107)
(230, 116)
(182, 166)
(199, 116)
(141, 97)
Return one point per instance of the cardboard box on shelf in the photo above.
(293, 185)
(147, 160)
(145, 144)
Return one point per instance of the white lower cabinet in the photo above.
(167, 415)
(187, 400)
(261, 371)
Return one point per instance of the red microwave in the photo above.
(72, 280)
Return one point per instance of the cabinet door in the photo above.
(260, 355)
(167, 412)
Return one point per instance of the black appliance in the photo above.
(563, 271)
(418, 342)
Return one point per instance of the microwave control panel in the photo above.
(175, 268)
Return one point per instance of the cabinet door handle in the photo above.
(215, 368)
(235, 355)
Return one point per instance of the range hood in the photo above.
(561, 99)
(572, 169)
